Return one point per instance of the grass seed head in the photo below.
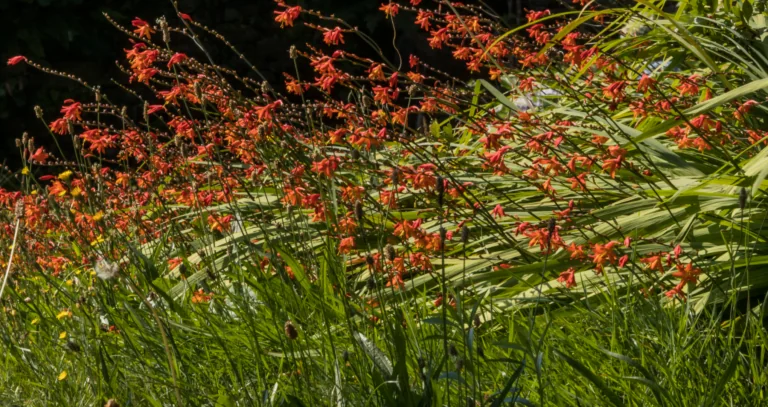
(290, 330)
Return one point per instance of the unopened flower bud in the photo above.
(24, 138)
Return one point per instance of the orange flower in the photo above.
(219, 223)
(346, 245)
(568, 278)
(390, 9)
(333, 37)
(287, 16)
(654, 262)
(143, 29)
(177, 58)
(603, 253)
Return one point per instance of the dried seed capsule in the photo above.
(389, 251)
(743, 198)
(371, 283)
(354, 154)
(476, 321)
(369, 260)
(72, 346)
(265, 87)
(440, 187)
(464, 234)
(292, 52)
(359, 214)
(18, 210)
(38, 112)
(290, 330)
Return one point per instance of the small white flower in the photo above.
(105, 270)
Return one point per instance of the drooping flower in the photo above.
(17, 59)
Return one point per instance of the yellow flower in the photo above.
(76, 191)
(63, 335)
(64, 314)
(62, 375)
(35, 321)
(65, 175)
(25, 171)
(98, 216)
(69, 282)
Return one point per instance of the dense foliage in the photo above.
(581, 223)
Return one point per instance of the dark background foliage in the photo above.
(73, 36)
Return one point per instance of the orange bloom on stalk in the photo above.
(568, 278)
(287, 16)
(219, 223)
(143, 29)
(390, 9)
(326, 167)
(346, 245)
(39, 156)
(654, 262)
(603, 253)
(333, 37)
(498, 212)
(72, 110)
(176, 58)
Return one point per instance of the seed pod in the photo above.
(440, 187)
(39, 112)
(452, 350)
(389, 251)
(743, 198)
(292, 52)
(73, 346)
(98, 94)
(371, 283)
(146, 111)
(290, 330)
(354, 154)
(18, 210)
(464, 234)
(551, 225)
(265, 88)
(443, 233)
(19, 144)
(412, 90)
(476, 321)
(369, 260)
(395, 175)
(359, 214)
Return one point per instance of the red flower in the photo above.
(176, 58)
(40, 155)
(185, 16)
(498, 212)
(72, 110)
(15, 60)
